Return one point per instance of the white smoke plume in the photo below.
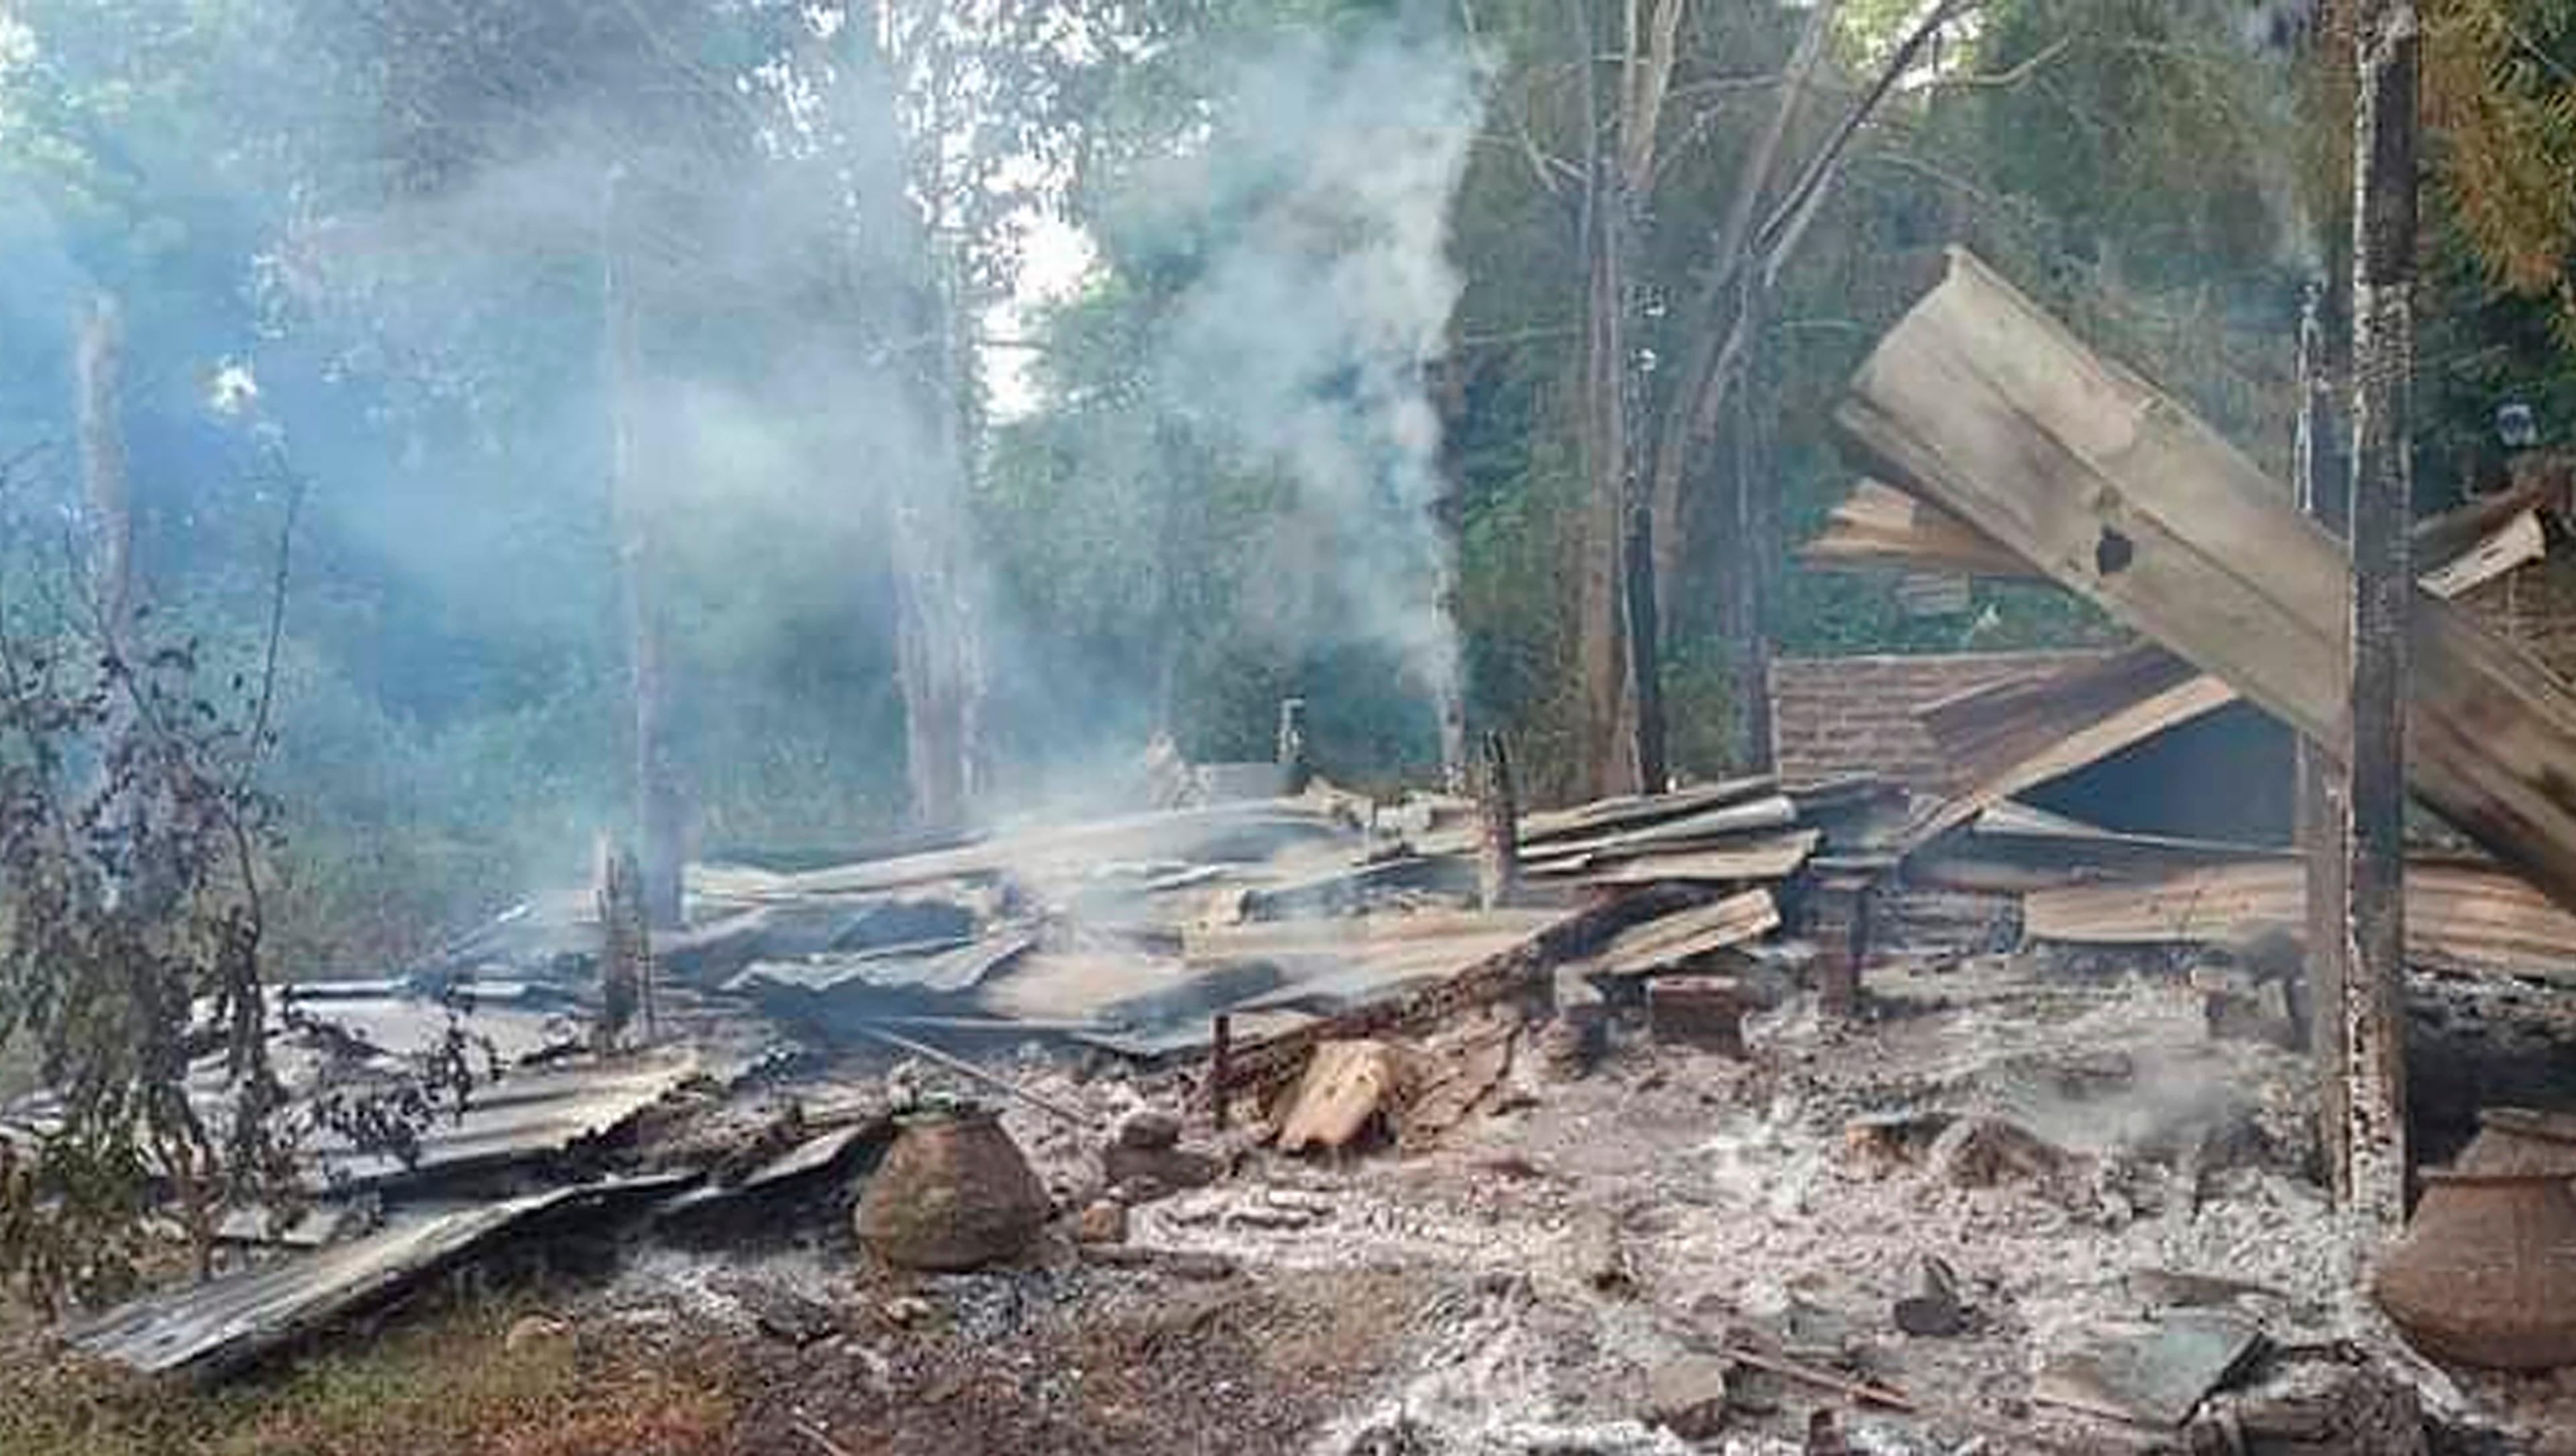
(1326, 292)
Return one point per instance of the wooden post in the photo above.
(1295, 766)
(2320, 819)
(2374, 801)
(1220, 1068)
(1499, 865)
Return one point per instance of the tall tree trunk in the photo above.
(1605, 746)
(660, 801)
(98, 367)
(939, 665)
(2383, 349)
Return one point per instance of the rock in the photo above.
(1149, 1129)
(783, 1314)
(1986, 1152)
(1933, 1310)
(1601, 1256)
(1824, 1436)
(531, 1330)
(1102, 1222)
(905, 1311)
(1884, 1141)
(1687, 1396)
(1145, 1174)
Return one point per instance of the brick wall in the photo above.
(1834, 716)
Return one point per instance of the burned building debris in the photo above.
(1941, 1092)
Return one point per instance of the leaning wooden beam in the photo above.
(2013, 735)
(1981, 402)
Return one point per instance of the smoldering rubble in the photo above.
(1783, 1114)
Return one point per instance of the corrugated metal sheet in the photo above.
(227, 1322)
(528, 1113)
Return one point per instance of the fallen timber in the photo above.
(1982, 403)
(2468, 914)
(2022, 732)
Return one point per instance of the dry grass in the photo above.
(451, 1382)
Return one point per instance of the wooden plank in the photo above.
(1879, 526)
(2017, 734)
(1983, 403)
(1773, 858)
(1662, 944)
(2473, 914)
(1695, 831)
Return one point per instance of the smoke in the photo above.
(1326, 289)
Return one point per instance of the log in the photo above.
(1984, 404)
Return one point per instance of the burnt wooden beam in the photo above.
(1981, 402)
(2373, 802)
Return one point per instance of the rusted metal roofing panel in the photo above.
(227, 1322)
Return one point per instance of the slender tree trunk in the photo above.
(2320, 816)
(1755, 525)
(98, 366)
(1606, 747)
(2382, 480)
(939, 665)
(661, 813)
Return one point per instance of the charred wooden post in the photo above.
(1838, 918)
(625, 949)
(1296, 768)
(1498, 866)
(2374, 797)
(2320, 817)
(1220, 1067)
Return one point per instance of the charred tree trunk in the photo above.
(2374, 799)
(661, 814)
(1499, 863)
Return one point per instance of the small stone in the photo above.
(1149, 1129)
(907, 1310)
(1171, 1167)
(1102, 1222)
(1984, 1152)
(1688, 1396)
(1933, 1309)
(530, 1330)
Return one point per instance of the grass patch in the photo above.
(449, 1381)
